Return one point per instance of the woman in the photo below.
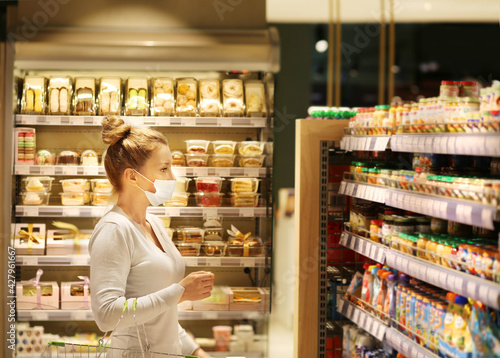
(131, 255)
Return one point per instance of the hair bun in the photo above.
(114, 129)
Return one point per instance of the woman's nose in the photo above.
(171, 175)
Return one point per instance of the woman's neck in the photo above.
(135, 207)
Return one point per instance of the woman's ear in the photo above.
(130, 176)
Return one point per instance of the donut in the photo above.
(233, 88)
(183, 89)
(209, 90)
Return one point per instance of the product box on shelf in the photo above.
(209, 98)
(137, 97)
(84, 96)
(75, 295)
(68, 242)
(29, 239)
(162, 96)
(24, 145)
(110, 96)
(59, 95)
(34, 95)
(255, 99)
(218, 300)
(35, 294)
(247, 298)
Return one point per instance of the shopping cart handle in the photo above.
(59, 344)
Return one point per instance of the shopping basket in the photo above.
(103, 349)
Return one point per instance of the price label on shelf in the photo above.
(22, 169)
(373, 252)
(209, 315)
(443, 144)
(343, 238)
(342, 187)
(53, 120)
(77, 121)
(90, 170)
(30, 260)
(71, 211)
(202, 171)
(224, 172)
(190, 261)
(492, 145)
(247, 212)
(47, 170)
(189, 122)
(487, 216)
(210, 212)
(30, 211)
(355, 316)
(224, 122)
(69, 170)
(471, 289)
(173, 212)
(214, 261)
(429, 142)
(463, 213)
(247, 262)
(360, 193)
(79, 315)
(451, 144)
(350, 188)
(39, 316)
(380, 256)
(349, 311)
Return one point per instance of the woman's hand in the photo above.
(197, 286)
(201, 353)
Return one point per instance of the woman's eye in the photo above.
(164, 169)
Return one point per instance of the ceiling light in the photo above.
(321, 46)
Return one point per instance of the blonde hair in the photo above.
(129, 147)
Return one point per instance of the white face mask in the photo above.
(164, 190)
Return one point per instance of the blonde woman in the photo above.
(131, 255)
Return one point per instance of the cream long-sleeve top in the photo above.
(126, 265)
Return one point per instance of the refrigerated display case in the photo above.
(115, 53)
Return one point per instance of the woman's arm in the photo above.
(110, 261)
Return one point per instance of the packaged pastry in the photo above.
(136, 97)
(213, 229)
(244, 185)
(224, 146)
(101, 186)
(90, 158)
(208, 184)
(252, 246)
(251, 148)
(100, 199)
(209, 98)
(192, 234)
(68, 157)
(187, 94)
(37, 183)
(44, 157)
(59, 94)
(195, 146)
(24, 144)
(178, 159)
(188, 249)
(251, 161)
(208, 199)
(162, 96)
(244, 199)
(84, 96)
(73, 198)
(110, 95)
(196, 160)
(35, 198)
(214, 248)
(33, 100)
(75, 185)
(255, 99)
(178, 199)
(232, 98)
(222, 160)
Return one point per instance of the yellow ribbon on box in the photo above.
(239, 235)
(29, 236)
(74, 234)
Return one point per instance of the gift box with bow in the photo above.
(29, 239)
(76, 295)
(68, 240)
(35, 294)
(240, 244)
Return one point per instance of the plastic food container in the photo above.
(214, 234)
(197, 146)
(68, 157)
(187, 97)
(188, 249)
(35, 197)
(100, 199)
(232, 98)
(196, 160)
(181, 185)
(192, 234)
(75, 185)
(208, 184)
(251, 148)
(251, 247)
(90, 158)
(244, 185)
(37, 183)
(73, 198)
(136, 97)
(162, 96)
(208, 199)
(244, 199)
(255, 161)
(101, 186)
(222, 160)
(224, 146)
(209, 98)
(178, 200)
(44, 157)
(178, 159)
(214, 248)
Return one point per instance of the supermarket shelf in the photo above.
(86, 315)
(231, 355)
(481, 144)
(99, 211)
(74, 170)
(238, 122)
(487, 292)
(372, 325)
(84, 260)
(364, 246)
(462, 211)
(365, 143)
(406, 346)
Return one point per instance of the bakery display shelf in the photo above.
(476, 288)
(369, 323)
(458, 210)
(78, 170)
(233, 354)
(406, 346)
(99, 211)
(363, 246)
(86, 315)
(479, 144)
(377, 143)
(84, 260)
(54, 120)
